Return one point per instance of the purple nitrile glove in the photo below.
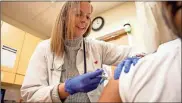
(83, 83)
(126, 64)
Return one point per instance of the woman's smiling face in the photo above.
(82, 19)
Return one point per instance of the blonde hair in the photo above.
(63, 27)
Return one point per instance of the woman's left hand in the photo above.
(126, 64)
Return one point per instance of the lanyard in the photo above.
(84, 54)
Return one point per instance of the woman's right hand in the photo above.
(83, 83)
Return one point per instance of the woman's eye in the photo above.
(88, 17)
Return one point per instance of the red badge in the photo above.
(96, 62)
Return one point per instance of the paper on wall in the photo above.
(8, 56)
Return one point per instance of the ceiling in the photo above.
(40, 16)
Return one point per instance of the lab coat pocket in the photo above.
(56, 75)
(90, 67)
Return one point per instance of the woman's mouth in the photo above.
(80, 28)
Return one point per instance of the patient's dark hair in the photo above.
(169, 18)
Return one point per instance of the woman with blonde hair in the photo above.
(63, 68)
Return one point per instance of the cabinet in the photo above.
(7, 77)
(19, 79)
(24, 44)
(12, 37)
(28, 48)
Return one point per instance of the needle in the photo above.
(103, 77)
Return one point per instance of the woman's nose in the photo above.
(83, 18)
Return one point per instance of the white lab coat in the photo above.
(41, 80)
(155, 78)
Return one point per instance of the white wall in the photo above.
(115, 18)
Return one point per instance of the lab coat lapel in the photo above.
(58, 62)
(80, 62)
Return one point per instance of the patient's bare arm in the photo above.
(111, 92)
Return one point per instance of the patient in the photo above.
(156, 77)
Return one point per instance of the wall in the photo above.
(115, 18)
(121, 41)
